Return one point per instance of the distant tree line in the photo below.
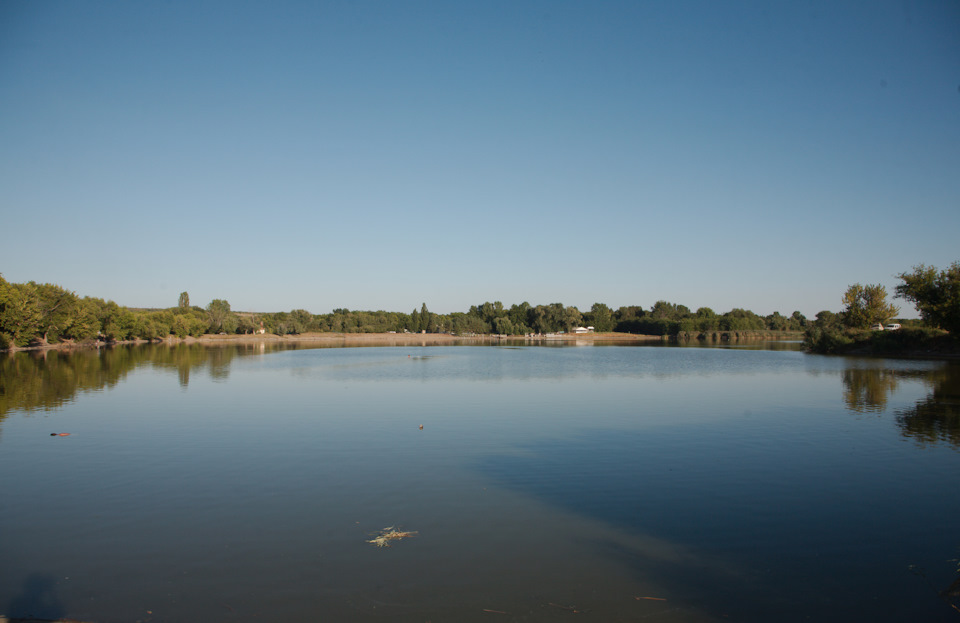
(522, 319)
(34, 313)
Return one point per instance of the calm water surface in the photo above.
(594, 483)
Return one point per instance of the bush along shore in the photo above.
(921, 342)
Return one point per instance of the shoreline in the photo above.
(353, 339)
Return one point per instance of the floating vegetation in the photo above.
(388, 535)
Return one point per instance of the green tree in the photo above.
(628, 319)
(551, 318)
(776, 322)
(20, 313)
(867, 305)
(299, 321)
(519, 315)
(707, 319)
(58, 309)
(936, 295)
(798, 322)
(85, 324)
(462, 323)
(180, 326)
(246, 324)
(338, 319)
(121, 323)
(572, 318)
(158, 324)
(184, 302)
(503, 326)
(741, 320)
(664, 310)
(426, 319)
(826, 333)
(219, 316)
(538, 319)
(601, 317)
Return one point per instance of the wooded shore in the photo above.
(360, 339)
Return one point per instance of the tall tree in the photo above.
(571, 319)
(867, 305)
(601, 317)
(425, 319)
(184, 302)
(519, 316)
(936, 295)
(219, 316)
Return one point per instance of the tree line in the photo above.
(935, 293)
(41, 313)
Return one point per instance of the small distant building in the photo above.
(581, 330)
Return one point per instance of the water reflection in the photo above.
(937, 417)
(724, 479)
(866, 390)
(46, 380)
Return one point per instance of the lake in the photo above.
(537, 483)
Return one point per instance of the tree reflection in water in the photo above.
(865, 390)
(933, 419)
(937, 417)
(46, 380)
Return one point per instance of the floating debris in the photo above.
(388, 535)
(562, 607)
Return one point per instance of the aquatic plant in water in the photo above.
(390, 534)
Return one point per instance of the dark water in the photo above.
(547, 484)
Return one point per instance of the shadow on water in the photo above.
(757, 527)
(37, 599)
(679, 513)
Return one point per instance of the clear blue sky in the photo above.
(378, 155)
